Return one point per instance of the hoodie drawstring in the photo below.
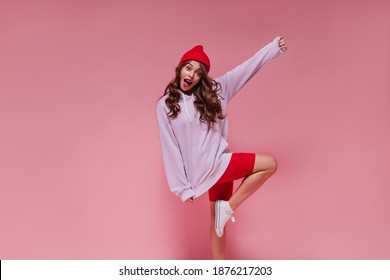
(185, 106)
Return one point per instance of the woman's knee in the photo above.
(265, 163)
(273, 165)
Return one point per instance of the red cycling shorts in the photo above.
(240, 166)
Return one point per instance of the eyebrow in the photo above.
(199, 69)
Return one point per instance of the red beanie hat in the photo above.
(197, 54)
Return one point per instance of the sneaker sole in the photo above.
(217, 218)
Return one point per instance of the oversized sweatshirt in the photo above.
(194, 155)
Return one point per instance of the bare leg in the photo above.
(218, 244)
(265, 167)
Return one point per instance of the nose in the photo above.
(191, 74)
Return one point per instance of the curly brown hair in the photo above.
(206, 97)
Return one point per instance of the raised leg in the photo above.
(265, 167)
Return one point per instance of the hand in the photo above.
(191, 199)
(282, 44)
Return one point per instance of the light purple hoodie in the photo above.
(194, 156)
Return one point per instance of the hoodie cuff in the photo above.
(186, 194)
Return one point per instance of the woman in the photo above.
(192, 119)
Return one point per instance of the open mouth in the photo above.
(187, 82)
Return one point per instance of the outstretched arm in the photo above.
(235, 79)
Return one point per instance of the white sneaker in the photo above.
(223, 213)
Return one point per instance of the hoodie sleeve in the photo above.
(235, 79)
(172, 158)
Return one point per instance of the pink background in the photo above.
(81, 173)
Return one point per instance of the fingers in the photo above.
(282, 44)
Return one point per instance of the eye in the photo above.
(188, 68)
(199, 74)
